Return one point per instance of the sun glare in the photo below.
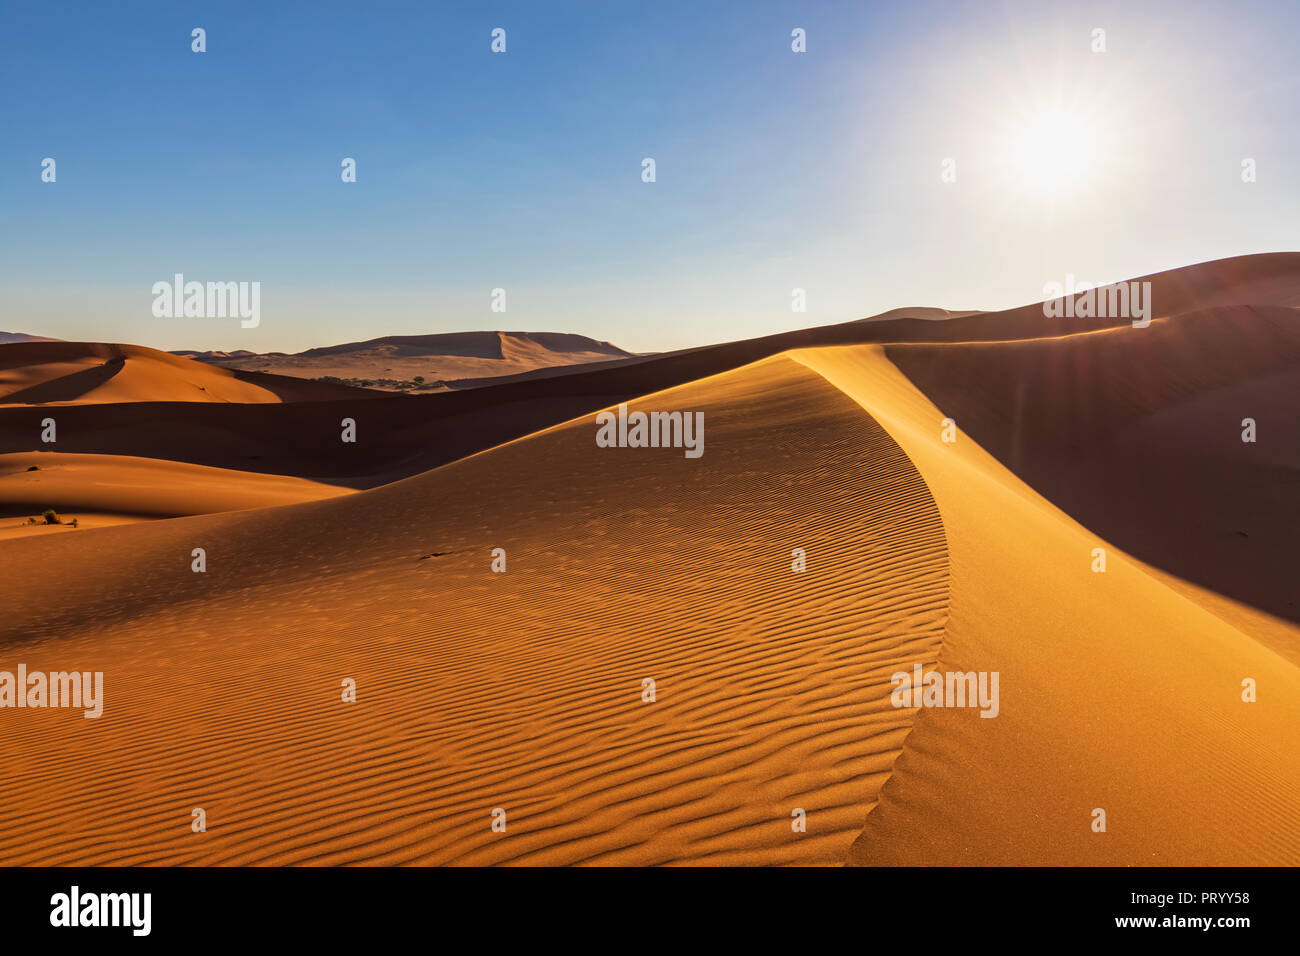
(1055, 153)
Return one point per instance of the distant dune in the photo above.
(525, 690)
(444, 357)
(7, 338)
(50, 372)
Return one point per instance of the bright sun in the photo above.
(1054, 153)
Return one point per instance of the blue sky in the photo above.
(522, 170)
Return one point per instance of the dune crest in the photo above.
(1114, 675)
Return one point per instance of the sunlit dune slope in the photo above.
(90, 372)
(1117, 692)
(522, 690)
(118, 488)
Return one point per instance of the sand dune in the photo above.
(1137, 433)
(8, 337)
(477, 690)
(1117, 691)
(404, 435)
(523, 690)
(442, 357)
(99, 490)
(86, 372)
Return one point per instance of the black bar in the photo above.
(633, 907)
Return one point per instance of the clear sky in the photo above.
(775, 170)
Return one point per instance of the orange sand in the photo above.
(523, 690)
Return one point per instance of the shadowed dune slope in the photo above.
(477, 690)
(97, 373)
(1116, 691)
